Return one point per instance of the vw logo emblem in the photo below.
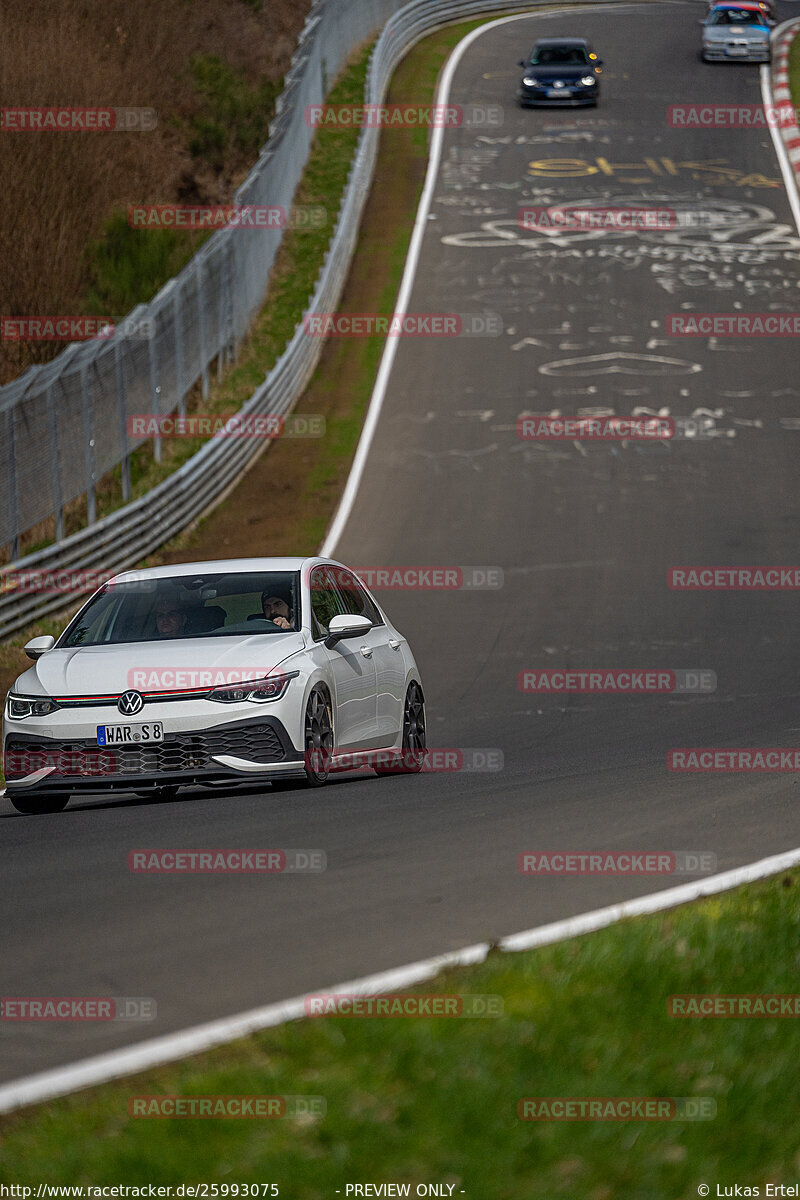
(559, 83)
(130, 703)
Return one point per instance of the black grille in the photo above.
(179, 752)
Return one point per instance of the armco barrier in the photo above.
(62, 425)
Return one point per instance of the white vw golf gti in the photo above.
(259, 669)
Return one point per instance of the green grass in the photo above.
(128, 266)
(794, 72)
(234, 116)
(292, 284)
(424, 1100)
(231, 122)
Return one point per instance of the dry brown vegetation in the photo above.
(60, 189)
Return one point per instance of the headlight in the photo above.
(588, 80)
(531, 82)
(259, 690)
(20, 707)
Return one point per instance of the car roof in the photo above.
(222, 566)
(751, 7)
(569, 41)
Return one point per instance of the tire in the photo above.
(412, 755)
(34, 805)
(318, 741)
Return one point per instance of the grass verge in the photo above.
(422, 1100)
(793, 66)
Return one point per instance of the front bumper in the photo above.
(756, 54)
(257, 748)
(577, 98)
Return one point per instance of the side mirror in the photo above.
(346, 626)
(598, 62)
(38, 646)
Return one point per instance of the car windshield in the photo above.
(188, 606)
(735, 16)
(559, 56)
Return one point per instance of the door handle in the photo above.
(395, 645)
(366, 651)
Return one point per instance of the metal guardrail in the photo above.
(62, 425)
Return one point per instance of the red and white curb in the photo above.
(783, 37)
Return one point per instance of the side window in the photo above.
(325, 601)
(355, 599)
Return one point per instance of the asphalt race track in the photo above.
(584, 534)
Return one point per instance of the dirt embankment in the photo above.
(210, 69)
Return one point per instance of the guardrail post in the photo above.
(13, 507)
(234, 347)
(87, 409)
(201, 325)
(221, 345)
(55, 465)
(179, 367)
(122, 408)
(155, 393)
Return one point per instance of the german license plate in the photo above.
(556, 93)
(128, 735)
(736, 51)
